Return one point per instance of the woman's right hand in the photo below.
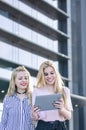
(35, 112)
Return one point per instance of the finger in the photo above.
(36, 109)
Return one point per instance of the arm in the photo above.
(66, 113)
(36, 113)
(65, 110)
(35, 110)
(4, 117)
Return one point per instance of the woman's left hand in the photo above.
(59, 104)
(35, 111)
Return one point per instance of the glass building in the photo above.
(32, 31)
(78, 22)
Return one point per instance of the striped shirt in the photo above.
(16, 114)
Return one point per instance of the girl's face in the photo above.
(21, 81)
(49, 76)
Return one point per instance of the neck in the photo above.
(21, 92)
(49, 88)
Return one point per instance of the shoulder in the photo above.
(35, 90)
(66, 89)
(38, 91)
(8, 99)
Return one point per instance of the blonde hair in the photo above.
(12, 87)
(58, 85)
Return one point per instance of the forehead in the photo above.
(21, 73)
(49, 68)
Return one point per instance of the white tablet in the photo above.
(45, 102)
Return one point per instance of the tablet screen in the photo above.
(45, 102)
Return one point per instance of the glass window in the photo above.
(6, 51)
(34, 13)
(5, 74)
(25, 32)
(52, 2)
(34, 37)
(4, 13)
(11, 1)
(7, 24)
(42, 40)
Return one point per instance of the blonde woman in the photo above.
(49, 82)
(16, 113)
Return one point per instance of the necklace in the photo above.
(21, 93)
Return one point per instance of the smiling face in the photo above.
(21, 81)
(49, 76)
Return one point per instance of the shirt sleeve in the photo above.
(69, 101)
(4, 116)
(34, 94)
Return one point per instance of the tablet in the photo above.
(45, 102)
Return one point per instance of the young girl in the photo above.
(50, 82)
(16, 113)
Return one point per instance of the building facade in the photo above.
(32, 31)
(78, 22)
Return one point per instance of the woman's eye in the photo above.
(20, 78)
(26, 78)
(45, 74)
(52, 73)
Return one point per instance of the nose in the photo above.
(23, 79)
(49, 76)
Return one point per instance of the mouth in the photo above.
(24, 84)
(50, 80)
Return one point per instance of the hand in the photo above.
(59, 104)
(35, 111)
(63, 111)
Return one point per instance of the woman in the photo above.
(16, 113)
(50, 82)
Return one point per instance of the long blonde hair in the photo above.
(12, 87)
(58, 85)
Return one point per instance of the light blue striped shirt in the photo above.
(16, 114)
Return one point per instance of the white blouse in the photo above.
(51, 115)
